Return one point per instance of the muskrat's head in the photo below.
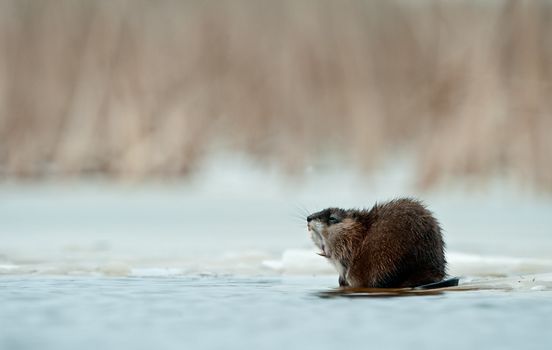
(325, 225)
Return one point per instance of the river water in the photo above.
(228, 312)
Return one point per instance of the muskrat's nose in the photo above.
(309, 218)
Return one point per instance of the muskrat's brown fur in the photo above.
(396, 244)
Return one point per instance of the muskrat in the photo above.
(393, 245)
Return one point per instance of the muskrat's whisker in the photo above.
(302, 210)
(306, 210)
(301, 218)
(303, 214)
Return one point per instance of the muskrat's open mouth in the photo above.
(322, 246)
(318, 240)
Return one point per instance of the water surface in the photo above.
(226, 312)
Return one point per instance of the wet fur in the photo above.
(393, 245)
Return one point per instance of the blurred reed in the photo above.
(145, 89)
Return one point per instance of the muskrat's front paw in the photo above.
(343, 282)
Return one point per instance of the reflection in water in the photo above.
(401, 292)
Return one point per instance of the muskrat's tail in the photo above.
(450, 282)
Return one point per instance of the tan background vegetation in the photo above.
(146, 89)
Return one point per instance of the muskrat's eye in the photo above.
(333, 220)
